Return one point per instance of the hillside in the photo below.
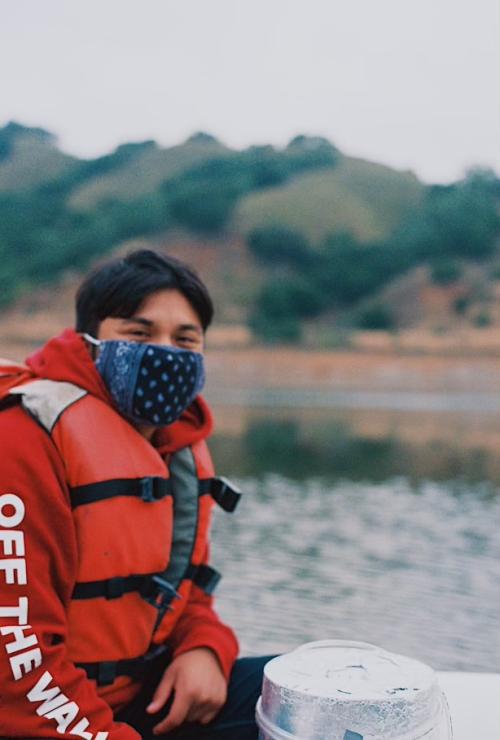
(355, 194)
(363, 198)
(297, 244)
(29, 157)
(144, 174)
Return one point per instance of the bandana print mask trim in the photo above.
(149, 383)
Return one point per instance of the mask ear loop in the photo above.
(93, 342)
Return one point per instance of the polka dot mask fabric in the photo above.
(149, 383)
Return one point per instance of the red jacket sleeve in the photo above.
(42, 693)
(200, 626)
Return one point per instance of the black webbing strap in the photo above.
(12, 399)
(152, 587)
(204, 577)
(111, 588)
(106, 671)
(147, 489)
(225, 493)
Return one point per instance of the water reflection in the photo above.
(362, 526)
(336, 446)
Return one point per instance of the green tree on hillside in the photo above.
(458, 221)
(278, 245)
(203, 207)
(203, 197)
(455, 220)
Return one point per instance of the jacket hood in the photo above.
(66, 358)
(12, 374)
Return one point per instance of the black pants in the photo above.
(235, 721)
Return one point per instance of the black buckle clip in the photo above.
(206, 578)
(115, 587)
(225, 493)
(147, 490)
(154, 489)
(160, 593)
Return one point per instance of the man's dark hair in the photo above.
(117, 288)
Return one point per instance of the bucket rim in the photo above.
(264, 723)
(317, 644)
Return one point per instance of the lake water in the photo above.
(373, 525)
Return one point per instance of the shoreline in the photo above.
(259, 374)
(268, 370)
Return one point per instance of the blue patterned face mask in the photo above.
(149, 383)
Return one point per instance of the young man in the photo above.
(107, 628)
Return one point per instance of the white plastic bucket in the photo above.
(341, 690)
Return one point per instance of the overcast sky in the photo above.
(411, 83)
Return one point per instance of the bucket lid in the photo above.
(351, 671)
(342, 689)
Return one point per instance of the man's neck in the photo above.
(146, 430)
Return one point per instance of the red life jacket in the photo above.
(141, 524)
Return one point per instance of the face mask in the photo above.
(149, 383)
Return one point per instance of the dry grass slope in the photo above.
(361, 197)
(144, 173)
(32, 162)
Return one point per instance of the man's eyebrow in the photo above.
(191, 327)
(149, 323)
(138, 320)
